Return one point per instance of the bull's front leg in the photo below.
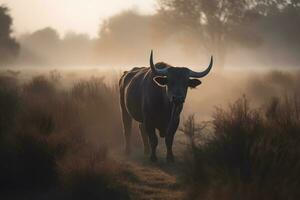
(153, 140)
(169, 140)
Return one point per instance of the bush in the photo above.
(253, 154)
(36, 161)
(264, 87)
(95, 177)
(9, 103)
(44, 129)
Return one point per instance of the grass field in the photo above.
(61, 138)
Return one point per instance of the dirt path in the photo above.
(148, 181)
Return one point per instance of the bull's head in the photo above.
(177, 80)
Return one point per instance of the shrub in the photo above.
(9, 103)
(45, 129)
(250, 155)
(93, 175)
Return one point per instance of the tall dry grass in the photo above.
(251, 154)
(54, 142)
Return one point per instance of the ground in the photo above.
(151, 181)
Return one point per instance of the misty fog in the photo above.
(125, 40)
(250, 42)
(61, 129)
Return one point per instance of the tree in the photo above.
(125, 34)
(217, 23)
(41, 46)
(9, 48)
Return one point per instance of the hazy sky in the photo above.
(82, 16)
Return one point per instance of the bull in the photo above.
(154, 97)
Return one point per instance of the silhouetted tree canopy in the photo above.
(280, 30)
(125, 34)
(221, 24)
(182, 32)
(41, 46)
(214, 22)
(45, 46)
(9, 48)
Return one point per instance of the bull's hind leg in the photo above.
(127, 123)
(145, 139)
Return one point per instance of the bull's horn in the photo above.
(204, 73)
(158, 72)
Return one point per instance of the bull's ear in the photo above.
(161, 81)
(193, 83)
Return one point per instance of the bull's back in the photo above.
(131, 92)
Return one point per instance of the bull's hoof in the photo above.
(170, 159)
(153, 158)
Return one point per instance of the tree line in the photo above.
(193, 28)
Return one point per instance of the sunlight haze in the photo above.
(70, 15)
